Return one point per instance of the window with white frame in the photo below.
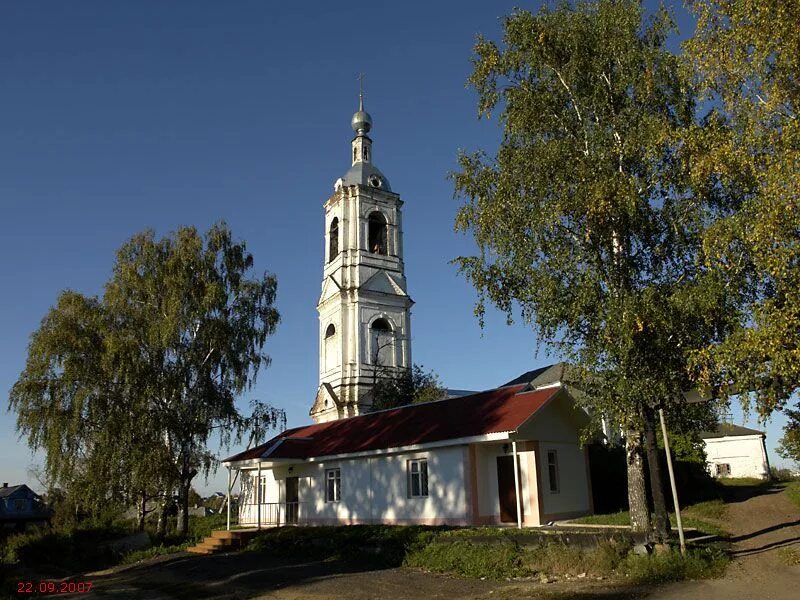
(262, 490)
(552, 470)
(418, 478)
(333, 485)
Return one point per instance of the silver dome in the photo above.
(361, 122)
(366, 174)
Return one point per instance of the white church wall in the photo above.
(555, 428)
(375, 489)
(737, 456)
(572, 493)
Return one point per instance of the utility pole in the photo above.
(672, 481)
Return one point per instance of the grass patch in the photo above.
(378, 545)
(708, 517)
(697, 563)
(710, 509)
(790, 556)
(742, 481)
(622, 517)
(468, 559)
(612, 560)
(793, 492)
(461, 552)
(152, 552)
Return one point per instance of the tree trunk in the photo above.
(142, 510)
(637, 489)
(660, 516)
(161, 528)
(183, 508)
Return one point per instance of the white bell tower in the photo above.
(364, 309)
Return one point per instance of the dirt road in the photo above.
(761, 525)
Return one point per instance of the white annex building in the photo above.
(444, 462)
(736, 451)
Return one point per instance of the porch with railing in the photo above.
(273, 514)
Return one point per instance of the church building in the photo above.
(509, 455)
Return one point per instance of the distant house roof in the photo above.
(8, 490)
(493, 411)
(450, 393)
(540, 376)
(729, 430)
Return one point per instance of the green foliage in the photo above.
(746, 155)
(123, 393)
(781, 474)
(789, 446)
(393, 387)
(583, 218)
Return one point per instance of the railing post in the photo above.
(258, 495)
(228, 526)
(517, 490)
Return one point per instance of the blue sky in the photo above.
(121, 116)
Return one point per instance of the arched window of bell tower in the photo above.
(331, 357)
(381, 343)
(333, 239)
(377, 233)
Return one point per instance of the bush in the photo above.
(74, 549)
(781, 474)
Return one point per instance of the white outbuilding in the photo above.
(449, 462)
(736, 451)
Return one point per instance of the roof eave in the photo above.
(475, 439)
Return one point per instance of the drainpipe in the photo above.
(517, 491)
(228, 527)
(258, 495)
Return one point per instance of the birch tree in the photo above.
(746, 56)
(584, 220)
(125, 392)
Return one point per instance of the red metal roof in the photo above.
(493, 411)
